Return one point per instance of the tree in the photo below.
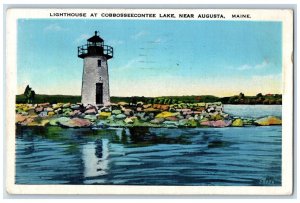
(29, 94)
(259, 95)
(241, 96)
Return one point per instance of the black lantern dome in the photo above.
(95, 47)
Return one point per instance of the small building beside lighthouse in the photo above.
(95, 79)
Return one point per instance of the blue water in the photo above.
(200, 156)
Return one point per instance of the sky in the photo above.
(154, 58)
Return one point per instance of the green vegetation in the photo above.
(29, 94)
(52, 99)
(236, 99)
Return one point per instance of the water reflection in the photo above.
(143, 136)
(95, 158)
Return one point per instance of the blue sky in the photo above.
(154, 58)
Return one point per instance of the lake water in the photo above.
(248, 156)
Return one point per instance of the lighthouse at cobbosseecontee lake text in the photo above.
(95, 79)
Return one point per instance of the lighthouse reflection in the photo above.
(95, 158)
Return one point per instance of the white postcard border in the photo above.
(284, 15)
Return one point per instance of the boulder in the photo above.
(48, 109)
(192, 123)
(183, 122)
(43, 114)
(91, 111)
(217, 124)
(122, 103)
(67, 111)
(128, 112)
(165, 114)
(24, 113)
(116, 112)
(75, 107)
(40, 123)
(51, 113)
(248, 121)
(164, 107)
(104, 115)
(120, 116)
(58, 111)
(55, 121)
(157, 121)
(129, 121)
(237, 123)
(44, 105)
(75, 113)
(20, 118)
(75, 123)
(151, 110)
(140, 115)
(57, 106)
(170, 124)
(66, 105)
(31, 112)
(172, 118)
(102, 124)
(27, 121)
(145, 106)
(38, 109)
(270, 120)
(90, 117)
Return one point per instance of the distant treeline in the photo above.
(237, 99)
(52, 99)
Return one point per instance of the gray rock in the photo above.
(75, 123)
(120, 116)
(55, 121)
(140, 115)
(48, 109)
(183, 122)
(39, 109)
(157, 121)
(102, 124)
(128, 112)
(91, 112)
(67, 105)
(116, 112)
(170, 124)
(43, 114)
(128, 121)
(24, 113)
(75, 106)
(90, 117)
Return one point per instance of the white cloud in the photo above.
(259, 66)
(139, 35)
(82, 38)
(54, 27)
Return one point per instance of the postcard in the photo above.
(149, 101)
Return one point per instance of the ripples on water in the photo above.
(155, 156)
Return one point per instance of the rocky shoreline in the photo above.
(183, 115)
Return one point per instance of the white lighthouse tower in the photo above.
(95, 80)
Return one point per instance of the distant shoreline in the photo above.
(241, 99)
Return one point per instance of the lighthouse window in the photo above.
(99, 63)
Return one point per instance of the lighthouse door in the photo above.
(99, 93)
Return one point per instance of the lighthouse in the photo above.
(95, 80)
